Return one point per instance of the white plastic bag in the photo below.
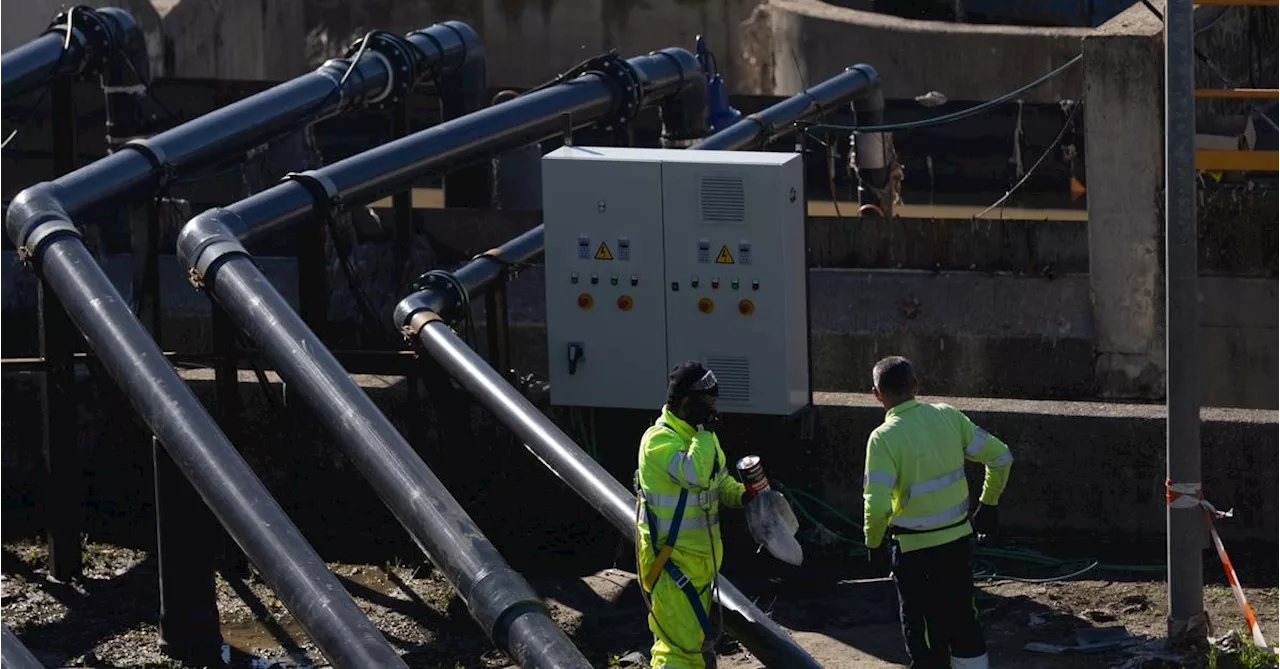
(773, 525)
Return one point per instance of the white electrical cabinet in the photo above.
(656, 256)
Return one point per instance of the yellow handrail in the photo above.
(1217, 160)
(1236, 93)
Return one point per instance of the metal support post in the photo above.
(185, 530)
(402, 202)
(1186, 526)
(144, 242)
(313, 279)
(226, 384)
(497, 326)
(462, 94)
(64, 483)
(189, 627)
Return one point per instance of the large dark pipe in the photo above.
(505, 606)
(39, 224)
(756, 130)
(174, 414)
(13, 654)
(871, 154)
(387, 67)
(609, 92)
(79, 41)
(425, 314)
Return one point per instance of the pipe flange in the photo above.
(397, 55)
(89, 29)
(328, 201)
(626, 82)
(447, 285)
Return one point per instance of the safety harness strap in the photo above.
(662, 560)
(663, 554)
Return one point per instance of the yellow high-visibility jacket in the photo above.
(674, 456)
(914, 477)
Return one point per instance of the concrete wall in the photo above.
(24, 21)
(527, 42)
(1124, 146)
(263, 39)
(233, 39)
(1081, 469)
(791, 43)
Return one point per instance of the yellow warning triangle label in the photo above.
(603, 253)
(724, 258)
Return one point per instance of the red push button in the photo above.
(625, 303)
(746, 308)
(584, 301)
(706, 306)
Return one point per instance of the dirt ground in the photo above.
(108, 620)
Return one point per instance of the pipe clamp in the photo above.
(418, 321)
(328, 201)
(49, 227)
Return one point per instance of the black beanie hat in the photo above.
(685, 376)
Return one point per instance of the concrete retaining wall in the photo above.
(797, 42)
(1081, 469)
(987, 308)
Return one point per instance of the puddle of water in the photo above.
(253, 637)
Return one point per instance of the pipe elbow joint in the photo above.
(417, 309)
(871, 100)
(34, 215)
(473, 54)
(132, 40)
(209, 237)
(406, 309)
(498, 598)
(684, 113)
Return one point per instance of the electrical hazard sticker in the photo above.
(724, 258)
(603, 253)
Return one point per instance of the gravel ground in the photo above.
(108, 619)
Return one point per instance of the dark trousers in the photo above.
(936, 603)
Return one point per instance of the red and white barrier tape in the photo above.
(1187, 495)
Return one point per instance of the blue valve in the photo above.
(719, 114)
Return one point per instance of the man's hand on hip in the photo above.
(986, 520)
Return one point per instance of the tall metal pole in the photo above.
(1186, 526)
(58, 341)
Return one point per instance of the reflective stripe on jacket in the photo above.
(914, 477)
(674, 456)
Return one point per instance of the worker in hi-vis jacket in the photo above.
(915, 490)
(682, 479)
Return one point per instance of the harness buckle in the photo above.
(682, 581)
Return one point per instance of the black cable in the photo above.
(368, 316)
(119, 52)
(48, 82)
